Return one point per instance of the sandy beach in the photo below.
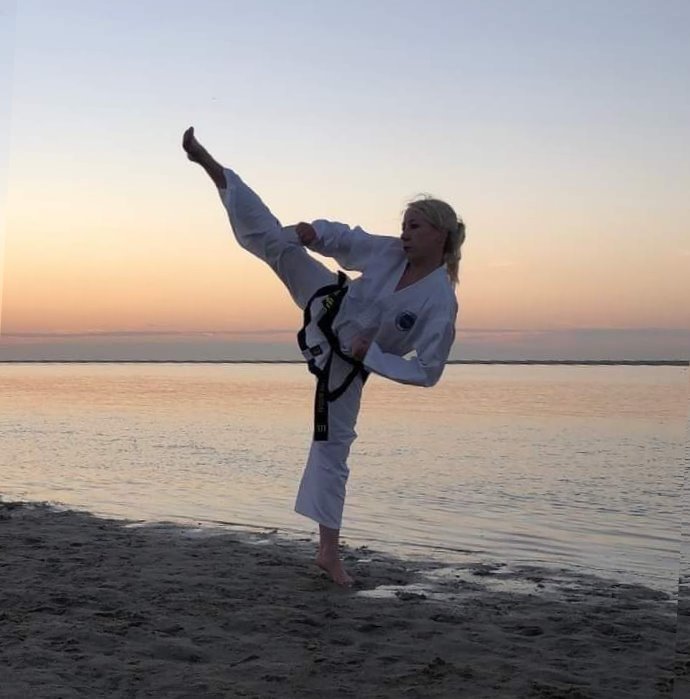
(92, 607)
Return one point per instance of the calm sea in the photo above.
(570, 466)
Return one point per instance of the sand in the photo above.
(92, 607)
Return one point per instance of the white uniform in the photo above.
(418, 319)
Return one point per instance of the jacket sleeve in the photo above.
(426, 367)
(350, 247)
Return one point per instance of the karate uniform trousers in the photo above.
(321, 494)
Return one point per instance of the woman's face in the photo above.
(420, 239)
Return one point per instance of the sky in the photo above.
(558, 130)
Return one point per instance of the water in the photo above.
(577, 466)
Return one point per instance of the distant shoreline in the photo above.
(545, 362)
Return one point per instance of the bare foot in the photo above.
(191, 146)
(334, 567)
(198, 154)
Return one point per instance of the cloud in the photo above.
(486, 344)
(104, 334)
(573, 344)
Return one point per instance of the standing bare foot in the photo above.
(328, 558)
(334, 567)
(198, 154)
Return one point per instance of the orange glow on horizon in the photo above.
(148, 265)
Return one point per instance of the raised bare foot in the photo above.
(191, 146)
(198, 154)
(334, 567)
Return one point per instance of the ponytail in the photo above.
(452, 252)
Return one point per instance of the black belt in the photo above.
(333, 295)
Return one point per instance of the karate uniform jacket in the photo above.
(418, 319)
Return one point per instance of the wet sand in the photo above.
(681, 689)
(92, 607)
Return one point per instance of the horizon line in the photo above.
(283, 331)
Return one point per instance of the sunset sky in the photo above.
(558, 130)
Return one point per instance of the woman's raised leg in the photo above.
(258, 231)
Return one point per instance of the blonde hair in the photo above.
(442, 216)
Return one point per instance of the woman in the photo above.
(403, 302)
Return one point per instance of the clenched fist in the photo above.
(360, 347)
(305, 233)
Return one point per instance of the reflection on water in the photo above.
(557, 465)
